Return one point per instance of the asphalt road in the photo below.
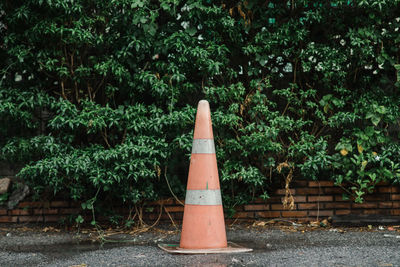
(272, 247)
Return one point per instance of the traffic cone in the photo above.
(203, 227)
(203, 217)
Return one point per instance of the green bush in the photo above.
(97, 98)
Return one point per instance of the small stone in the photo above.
(8, 234)
(4, 185)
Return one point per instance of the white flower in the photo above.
(200, 37)
(396, 29)
(380, 66)
(398, 19)
(342, 42)
(288, 67)
(185, 24)
(185, 8)
(241, 70)
(178, 17)
(319, 67)
(383, 31)
(368, 67)
(18, 77)
(312, 59)
(375, 72)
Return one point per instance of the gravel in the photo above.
(272, 247)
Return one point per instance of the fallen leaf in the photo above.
(262, 223)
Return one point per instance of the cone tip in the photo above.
(203, 128)
(203, 103)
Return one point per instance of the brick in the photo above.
(389, 189)
(342, 212)
(337, 205)
(56, 218)
(283, 191)
(300, 199)
(30, 219)
(333, 190)
(35, 204)
(174, 208)
(340, 199)
(377, 211)
(357, 211)
(59, 204)
(243, 215)
(364, 205)
(261, 200)
(323, 213)
(377, 197)
(308, 191)
(3, 212)
(20, 212)
(294, 214)
(308, 206)
(268, 214)
(385, 205)
(8, 219)
(256, 207)
(320, 184)
(45, 211)
(69, 211)
(395, 212)
(277, 207)
(274, 199)
(383, 183)
(320, 198)
(395, 205)
(396, 197)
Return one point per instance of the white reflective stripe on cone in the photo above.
(203, 197)
(203, 146)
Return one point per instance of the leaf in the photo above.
(360, 148)
(375, 120)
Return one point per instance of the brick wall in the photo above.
(313, 200)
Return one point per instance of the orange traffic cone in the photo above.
(203, 217)
(203, 227)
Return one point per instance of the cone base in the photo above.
(231, 248)
(203, 227)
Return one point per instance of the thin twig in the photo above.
(170, 217)
(169, 187)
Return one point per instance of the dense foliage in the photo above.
(97, 98)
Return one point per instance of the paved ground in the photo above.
(273, 246)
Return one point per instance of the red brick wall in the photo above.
(313, 200)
